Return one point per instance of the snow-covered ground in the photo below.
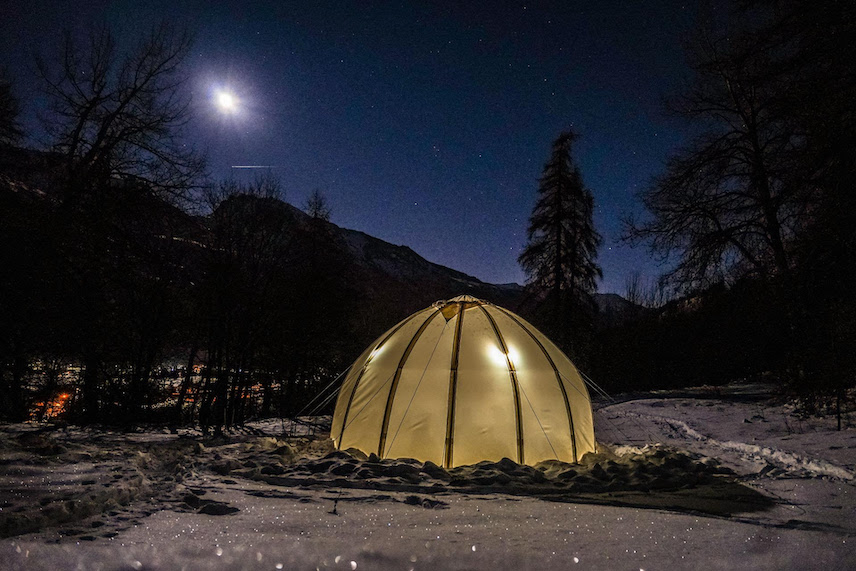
(684, 483)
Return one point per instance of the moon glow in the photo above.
(226, 102)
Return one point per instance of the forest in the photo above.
(134, 289)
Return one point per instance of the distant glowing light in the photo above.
(49, 409)
(226, 102)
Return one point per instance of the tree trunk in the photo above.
(14, 405)
(91, 387)
(185, 386)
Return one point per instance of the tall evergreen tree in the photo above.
(560, 256)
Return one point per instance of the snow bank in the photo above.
(756, 438)
(46, 484)
(788, 462)
(53, 478)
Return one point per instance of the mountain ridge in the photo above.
(404, 264)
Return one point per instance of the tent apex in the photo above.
(466, 298)
(451, 307)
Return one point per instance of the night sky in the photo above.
(425, 123)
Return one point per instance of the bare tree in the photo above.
(122, 116)
(250, 238)
(317, 206)
(117, 117)
(633, 288)
(645, 292)
(728, 204)
(264, 186)
(764, 196)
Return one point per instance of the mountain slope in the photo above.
(397, 277)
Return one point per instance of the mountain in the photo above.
(397, 281)
(614, 309)
(403, 265)
(391, 281)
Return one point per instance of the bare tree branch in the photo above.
(120, 117)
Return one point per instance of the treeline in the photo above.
(759, 210)
(721, 335)
(134, 289)
(139, 312)
(117, 303)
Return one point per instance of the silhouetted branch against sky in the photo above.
(121, 111)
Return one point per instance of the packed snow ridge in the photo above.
(794, 464)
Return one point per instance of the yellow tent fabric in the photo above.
(461, 382)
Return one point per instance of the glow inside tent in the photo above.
(461, 382)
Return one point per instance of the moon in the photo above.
(226, 102)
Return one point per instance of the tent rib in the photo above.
(512, 373)
(453, 387)
(362, 371)
(392, 389)
(558, 378)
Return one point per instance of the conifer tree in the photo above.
(560, 256)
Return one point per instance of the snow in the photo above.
(701, 481)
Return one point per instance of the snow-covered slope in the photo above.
(163, 501)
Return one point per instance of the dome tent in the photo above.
(460, 382)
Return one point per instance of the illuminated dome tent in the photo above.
(461, 382)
